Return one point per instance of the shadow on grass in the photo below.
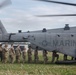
(42, 62)
(48, 63)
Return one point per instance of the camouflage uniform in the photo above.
(36, 58)
(18, 54)
(24, 54)
(11, 54)
(45, 56)
(29, 54)
(54, 55)
(5, 53)
(1, 51)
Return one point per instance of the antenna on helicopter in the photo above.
(5, 3)
(58, 15)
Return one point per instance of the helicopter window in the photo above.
(58, 35)
(72, 35)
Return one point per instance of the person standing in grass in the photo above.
(18, 54)
(5, 53)
(45, 56)
(54, 55)
(29, 52)
(11, 54)
(24, 55)
(36, 58)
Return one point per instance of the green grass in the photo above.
(38, 69)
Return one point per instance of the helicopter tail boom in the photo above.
(2, 29)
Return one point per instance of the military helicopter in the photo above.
(62, 40)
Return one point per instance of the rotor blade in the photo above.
(5, 3)
(57, 15)
(58, 2)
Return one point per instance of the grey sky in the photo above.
(21, 15)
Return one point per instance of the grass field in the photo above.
(38, 68)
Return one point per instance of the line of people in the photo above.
(15, 54)
(10, 53)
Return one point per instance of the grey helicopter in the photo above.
(62, 40)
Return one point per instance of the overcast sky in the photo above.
(20, 15)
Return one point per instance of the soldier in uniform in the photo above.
(11, 54)
(29, 54)
(18, 54)
(5, 53)
(36, 58)
(45, 56)
(1, 52)
(24, 54)
(54, 54)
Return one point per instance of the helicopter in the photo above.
(62, 40)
